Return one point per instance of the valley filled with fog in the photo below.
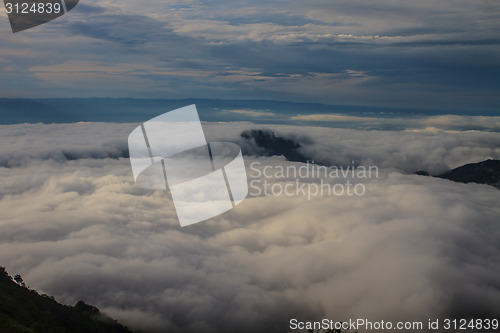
(75, 226)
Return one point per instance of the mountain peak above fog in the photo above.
(485, 172)
(266, 143)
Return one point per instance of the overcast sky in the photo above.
(416, 54)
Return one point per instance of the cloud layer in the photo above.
(411, 248)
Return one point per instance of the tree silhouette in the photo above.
(19, 280)
(22, 310)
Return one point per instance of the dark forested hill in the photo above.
(25, 311)
(486, 172)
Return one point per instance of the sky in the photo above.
(415, 85)
(414, 54)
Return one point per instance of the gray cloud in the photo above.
(424, 55)
(427, 148)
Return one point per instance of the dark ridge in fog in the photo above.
(96, 155)
(485, 172)
(22, 158)
(266, 143)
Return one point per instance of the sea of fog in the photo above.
(410, 248)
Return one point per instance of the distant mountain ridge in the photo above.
(131, 110)
(23, 310)
(485, 172)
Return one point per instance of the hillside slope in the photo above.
(485, 172)
(25, 311)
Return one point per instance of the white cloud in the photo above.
(251, 113)
(81, 229)
(406, 151)
(444, 122)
